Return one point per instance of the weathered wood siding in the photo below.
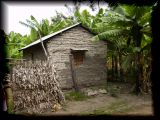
(93, 69)
(34, 53)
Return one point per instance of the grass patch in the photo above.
(98, 112)
(77, 96)
(113, 108)
(118, 107)
(114, 90)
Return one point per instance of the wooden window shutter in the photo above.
(78, 57)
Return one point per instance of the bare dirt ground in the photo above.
(105, 104)
(123, 104)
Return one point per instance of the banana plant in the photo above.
(130, 22)
(133, 23)
(33, 24)
(13, 43)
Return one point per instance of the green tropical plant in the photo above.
(133, 24)
(13, 44)
(33, 24)
(128, 30)
(38, 30)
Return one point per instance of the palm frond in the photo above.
(110, 34)
(145, 41)
(45, 27)
(129, 10)
(35, 21)
(27, 25)
(147, 31)
(116, 20)
(100, 13)
(145, 18)
(100, 27)
(30, 23)
(59, 25)
(140, 11)
(33, 34)
(119, 10)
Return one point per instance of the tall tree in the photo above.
(133, 23)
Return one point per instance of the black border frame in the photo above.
(155, 77)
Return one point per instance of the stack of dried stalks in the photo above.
(35, 87)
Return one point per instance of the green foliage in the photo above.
(126, 65)
(113, 90)
(45, 26)
(13, 44)
(84, 18)
(16, 41)
(127, 30)
(120, 106)
(77, 96)
(33, 34)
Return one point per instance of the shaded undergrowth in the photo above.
(76, 96)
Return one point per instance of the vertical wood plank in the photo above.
(73, 73)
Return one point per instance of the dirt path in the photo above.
(105, 104)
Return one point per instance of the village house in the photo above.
(74, 54)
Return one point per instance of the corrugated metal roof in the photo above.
(48, 36)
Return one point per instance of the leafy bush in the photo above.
(78, 96)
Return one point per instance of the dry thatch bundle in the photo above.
(35, 87)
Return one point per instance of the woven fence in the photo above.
(35, 87)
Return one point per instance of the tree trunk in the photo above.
(137, 37)
(120, 68)
(116, 68)
(141, 74)
(3, 106)
(137, 72)
(9, 99)
(45, 51)
(112, 67)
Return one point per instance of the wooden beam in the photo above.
(73, 72)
